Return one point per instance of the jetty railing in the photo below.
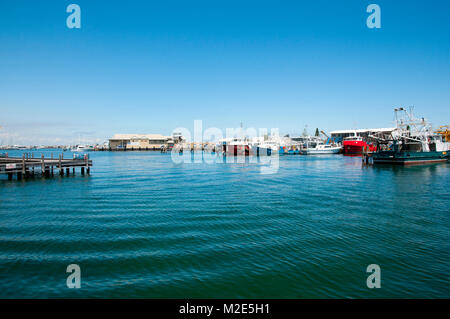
(27, 165)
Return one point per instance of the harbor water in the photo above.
(141, 226)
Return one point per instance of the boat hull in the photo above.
(80, 150)
(246, 150)
(237, 150)
(409, 158)
(260, 151)
(357, 147)
(322, 152)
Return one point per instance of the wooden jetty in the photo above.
(27, 165)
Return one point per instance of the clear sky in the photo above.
(152, 66)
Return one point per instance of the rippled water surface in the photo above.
(141, 226)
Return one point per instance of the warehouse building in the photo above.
(140, 142)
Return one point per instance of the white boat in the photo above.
(244, 147)
(322, 149)
(260, 149)
(235, 146)
(82, 148)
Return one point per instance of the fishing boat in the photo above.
(315, 145)
(244, 147)
(444, 130)
(260, 149)
(235, 146)
(413, 142)
(322, 149)
(356, 144)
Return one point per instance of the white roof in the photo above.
(139, 136)
(364, 130)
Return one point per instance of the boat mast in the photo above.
(407, 123)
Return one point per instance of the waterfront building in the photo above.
(364, 133)
(140, 141)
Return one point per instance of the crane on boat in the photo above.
(328, 139)
(444, 130)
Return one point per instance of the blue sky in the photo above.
(152, 66)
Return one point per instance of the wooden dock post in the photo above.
(86, 157)
(82, 170)
(23, 164)
(42, 165)
(67, 171)
(19, 176)
(61, 172)
(10, 176)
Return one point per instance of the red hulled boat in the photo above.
(355, 145)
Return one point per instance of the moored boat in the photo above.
(409, 158)
(82, 148)
(236, 147)
(314, 145)
(260, 149)
(322, 149)
(412, 143)
(355, 145)
(244, 147)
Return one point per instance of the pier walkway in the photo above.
(26, 166)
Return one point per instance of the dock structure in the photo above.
(27, 165)
(141, 142)
(124, 149)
